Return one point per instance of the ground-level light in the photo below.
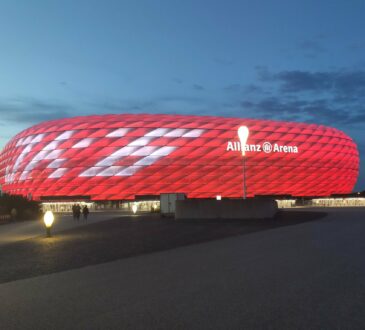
(134, 208)
(48, 222)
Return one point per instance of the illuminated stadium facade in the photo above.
(119, 157)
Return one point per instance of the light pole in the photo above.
(134, 208)
(243, 133)
(244, 178)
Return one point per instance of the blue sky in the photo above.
(288, 60)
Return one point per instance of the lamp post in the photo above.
(244, 178)
(243, 136)
(48, 222)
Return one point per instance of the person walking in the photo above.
(85, 212)
(78, 212)
(74, 211)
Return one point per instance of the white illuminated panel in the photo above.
(110, 171)
(41, 155)
(130, 170)
(34, 139)
(20, 142)
(38, 138)
(147, 160)
(28, 139)
(27, 149)
(56, 163)
(64, 136)
(125, 151)
(7, 175)
(29, 167)
(24, 175)
(145, 151)
(21, 157)
(54, 154)
(58, 173)
(93, 171)
(163, 151)
(138, 148)
(178, 132)
(108, 161)
(83, 143)
(119, 132)
(194, 133)
(117, 155)
(158, 132)
(51, 146)
(142, 141)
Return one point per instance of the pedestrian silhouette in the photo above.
(85, 212)
(74, 211)
(78, 212)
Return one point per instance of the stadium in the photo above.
(124, 156)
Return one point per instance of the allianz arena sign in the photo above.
(265, 147)
(243, 133)
(116, 157)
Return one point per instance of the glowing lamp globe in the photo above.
(48, 219)
(243, 133)
(48, 222)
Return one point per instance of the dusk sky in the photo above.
(287, 60)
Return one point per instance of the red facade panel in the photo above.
(113, 157)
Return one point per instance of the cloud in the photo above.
(162, 104)
(337, 82)
(232, 88)
(316, 111)
(224, 61)
(263, 74)
(311, 48)
(31, 111)
(249, 89)
(177, 80)
(334, 97)
(299, 81)
(357, 46)
(198, 87)
(254, 89)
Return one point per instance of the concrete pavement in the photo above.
(307, 276)
(18, 231)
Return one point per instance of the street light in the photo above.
(243, 136)
(134, 208)
(48, 222)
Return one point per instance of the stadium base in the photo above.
(226, 209)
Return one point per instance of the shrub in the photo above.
(19, 207)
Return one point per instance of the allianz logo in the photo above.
(266, 147)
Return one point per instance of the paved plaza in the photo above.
(19, 231)
(306, 276)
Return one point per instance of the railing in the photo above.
(5, 218)
(323, 202)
